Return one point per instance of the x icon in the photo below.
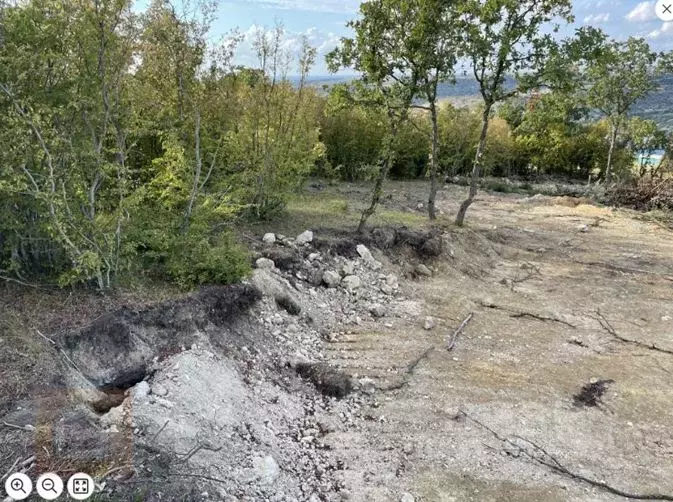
(667, 9)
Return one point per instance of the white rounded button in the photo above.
(49, 486)
(18, 486)
(80, 486)
(664, 10)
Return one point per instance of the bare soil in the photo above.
(557, 388)
(538, 274)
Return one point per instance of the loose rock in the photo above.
(265, 263)
(377, 310)
(331, 278)
(304, 238)
(429, 323)
(368, 258)
(351, 282)
(422, 270)
(266, 469)
(269, 238)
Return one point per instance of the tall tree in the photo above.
(503, 38)
(612, 76)
(379, 54)
(432, 45)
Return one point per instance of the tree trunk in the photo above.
(383, 174)
(476, 168)
(432, 213)
(197, 172)
(608, 169)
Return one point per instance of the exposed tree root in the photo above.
(619, 268)
(411, 367)
(605, 324)
(539, 455)
(454, 336)
(519, 314)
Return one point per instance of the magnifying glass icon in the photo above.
(17, 485)
(48, 485)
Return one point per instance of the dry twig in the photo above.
(454, 336)
(519, 314)
(605, 324)
(541, 456)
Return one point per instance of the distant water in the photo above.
(658, 106)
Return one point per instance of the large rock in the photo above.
(269, 238)
(351, 282)
(304, 238)
(367, 257)
(331, 278)
(270, 284)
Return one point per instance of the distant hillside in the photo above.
(658, 106)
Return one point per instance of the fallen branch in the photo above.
(10, 470)
(52, 342)
(115, 469)
(28, 428)
(519, 314)
(605, 324)
(154, 438)
(196, 449)
(463, 325)
(619, 268)
(411, 367)
(543, 457)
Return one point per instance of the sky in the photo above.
(324, 22)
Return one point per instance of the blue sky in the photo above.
(323, 21)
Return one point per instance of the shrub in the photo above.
(191, 261)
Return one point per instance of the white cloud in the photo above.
(323, 41)
(336, 6)
(665, 28)
(597, 18)
(642, 12)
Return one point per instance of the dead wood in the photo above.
(605, 324)
(619, 268)
(520, 314)
(411, 367)
(538, 454)
(454, 336)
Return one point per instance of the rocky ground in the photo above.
(524, 358)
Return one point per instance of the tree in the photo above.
(432, 45)
(387, 80)
(645, 137)
(63, 99)
(613, 76)
(503, 37)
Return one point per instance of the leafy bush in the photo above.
(194, 260)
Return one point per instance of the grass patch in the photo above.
(662, 218)
(332, 211)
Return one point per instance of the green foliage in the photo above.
(127, 151)
(195, 259)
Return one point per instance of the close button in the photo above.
(664, 10)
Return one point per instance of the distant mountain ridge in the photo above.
(658, 106)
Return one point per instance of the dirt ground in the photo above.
(537, 274)
(558, 387)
